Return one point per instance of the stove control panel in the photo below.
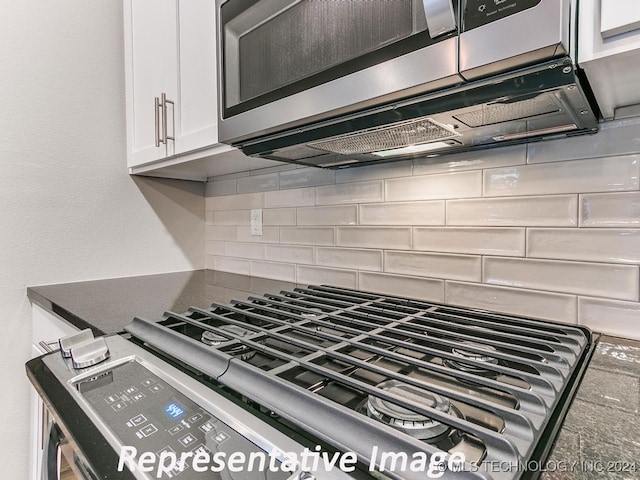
(148, 414)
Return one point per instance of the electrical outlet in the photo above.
(256, 221)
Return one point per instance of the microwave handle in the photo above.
(50, 453)
(441, 18)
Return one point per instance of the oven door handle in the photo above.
(53, 440)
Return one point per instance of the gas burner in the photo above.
(417, 425)
(214, 339)
(478, 357)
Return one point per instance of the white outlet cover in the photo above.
(256, 221)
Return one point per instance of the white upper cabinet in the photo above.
(151, 56)
(609, 51)
(171, 90)
(197, 106)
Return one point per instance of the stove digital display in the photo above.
(174, 410)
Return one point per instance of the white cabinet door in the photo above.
(609, 51)
(196, 109)
(151, 65)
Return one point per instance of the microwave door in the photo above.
(502, 35)
(283, 64)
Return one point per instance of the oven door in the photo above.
(61, 459)
(283, 63)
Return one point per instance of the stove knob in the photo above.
(90, 354)
(306, 476)
(74, 341)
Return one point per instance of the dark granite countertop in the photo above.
(106, 306)
(600, 438)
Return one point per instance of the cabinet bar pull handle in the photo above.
(157, 114)
(164, 118)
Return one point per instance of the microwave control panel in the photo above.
(481, 12)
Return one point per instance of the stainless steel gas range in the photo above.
(318, 382)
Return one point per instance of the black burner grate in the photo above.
(360, 369)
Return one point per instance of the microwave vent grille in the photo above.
(508, 112)
(397, 135)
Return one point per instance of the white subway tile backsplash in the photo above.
(374, 172)
(307, 235)
(360, 259)
(276, 271)
(306, 177)
(245, 201)
(277, 168)
(289, 253)
(222, 187)
(269, 235)
(610, 209)
(244, 250)
(548, 230)
(405, 213)
(579, 176)
(279, 216)
(476, 160)
(609, 316)
(437, 265)
(338, 215)
(258, 183)
(359, 192)
(307, 275)
(544, 211)
(478, 241)
(374, 237)
(434, 187)
(615, 138)
(405, 286)
(232, 265)
(214, 248)
(298, 197)
(592, 245)
(549, 306)
(232, 217)
(221, 232)
(593, 279)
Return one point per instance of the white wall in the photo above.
(549, 230)
(68, 209)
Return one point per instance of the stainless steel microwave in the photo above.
(341, 82)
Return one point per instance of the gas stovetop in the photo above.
(392, 379)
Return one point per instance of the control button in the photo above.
(175, 471)
(118, 406)
(187, 440)
(148, 430)
(176, 429)
(148, 382)
(138, 396)
(201, 449)
(89, 354)
(155, 388)
(206, 427)
(166, 449)
(137, 420)
(195, 418)
(221, 437)
(130, 390)
(482, 8)
(112, 398)
(74, 341)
